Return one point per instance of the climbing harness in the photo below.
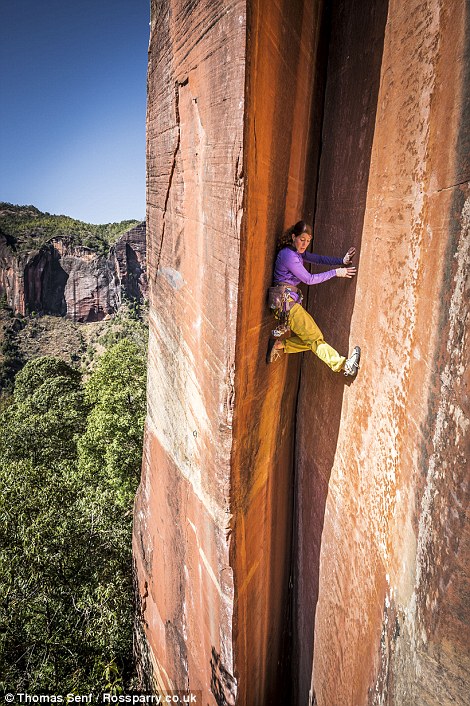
(281, 302)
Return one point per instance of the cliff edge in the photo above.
(67, 274)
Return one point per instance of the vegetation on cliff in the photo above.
(70, 455)
(11, 356)
(23, 338)
(26, 228)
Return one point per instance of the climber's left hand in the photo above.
(347, 259)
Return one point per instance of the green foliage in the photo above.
(69, 460)
(113, 438)
(41, 371)
(130, 323)
(47, 413)
(26, 228)
(11, 359)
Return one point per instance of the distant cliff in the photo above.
(60, 275)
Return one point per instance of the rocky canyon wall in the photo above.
(195, 187)
(228, 142)
(298, 538)
(73, 281)
(382, 482)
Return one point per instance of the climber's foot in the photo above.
(274, 350)
(351, 366)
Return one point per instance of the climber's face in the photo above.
(301, 242)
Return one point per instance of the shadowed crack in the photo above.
(178, 84)
(223, 684)
(452, 186)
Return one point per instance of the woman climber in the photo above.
(286, 300)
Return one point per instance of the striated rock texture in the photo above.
(382, 483)
(182, 516)
(388, 463)
(74, 281)
(298, 538)
(213, 517)
(130, 262)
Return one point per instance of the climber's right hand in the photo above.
(346, 272)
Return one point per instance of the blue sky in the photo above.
(72, 106)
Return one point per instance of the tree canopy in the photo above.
(69, 467)
(27, 228)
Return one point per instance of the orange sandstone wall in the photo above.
(185, 580)
(297, 538)
(382, 478)
(228, 147)
(281, 82)
(355, 50)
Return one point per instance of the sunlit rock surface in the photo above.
(183, 512)
(300, 539)
(386, 460)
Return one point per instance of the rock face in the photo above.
(297, 538)
(386, 470)
(72, 281)
(183, 513)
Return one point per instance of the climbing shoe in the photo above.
(351, 366)
(272, 353)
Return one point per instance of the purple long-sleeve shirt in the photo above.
(289, 267)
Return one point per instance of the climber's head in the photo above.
(300, 227)
(301, 236)
(294, 235)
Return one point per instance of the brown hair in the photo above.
(286, 238)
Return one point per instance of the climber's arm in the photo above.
(322, 259)
(295, 266)
(326, 260)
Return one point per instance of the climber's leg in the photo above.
(306, 332)
(294, 344)
(307, 336)
(328, 355)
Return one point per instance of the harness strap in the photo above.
(291, 286)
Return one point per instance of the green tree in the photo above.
(112, 442)
(65, 523)
(48, 413)
(11, 359)
(39, 538)
(27, 228)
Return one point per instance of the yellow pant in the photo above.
(307, 336)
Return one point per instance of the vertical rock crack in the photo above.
(178, 84)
